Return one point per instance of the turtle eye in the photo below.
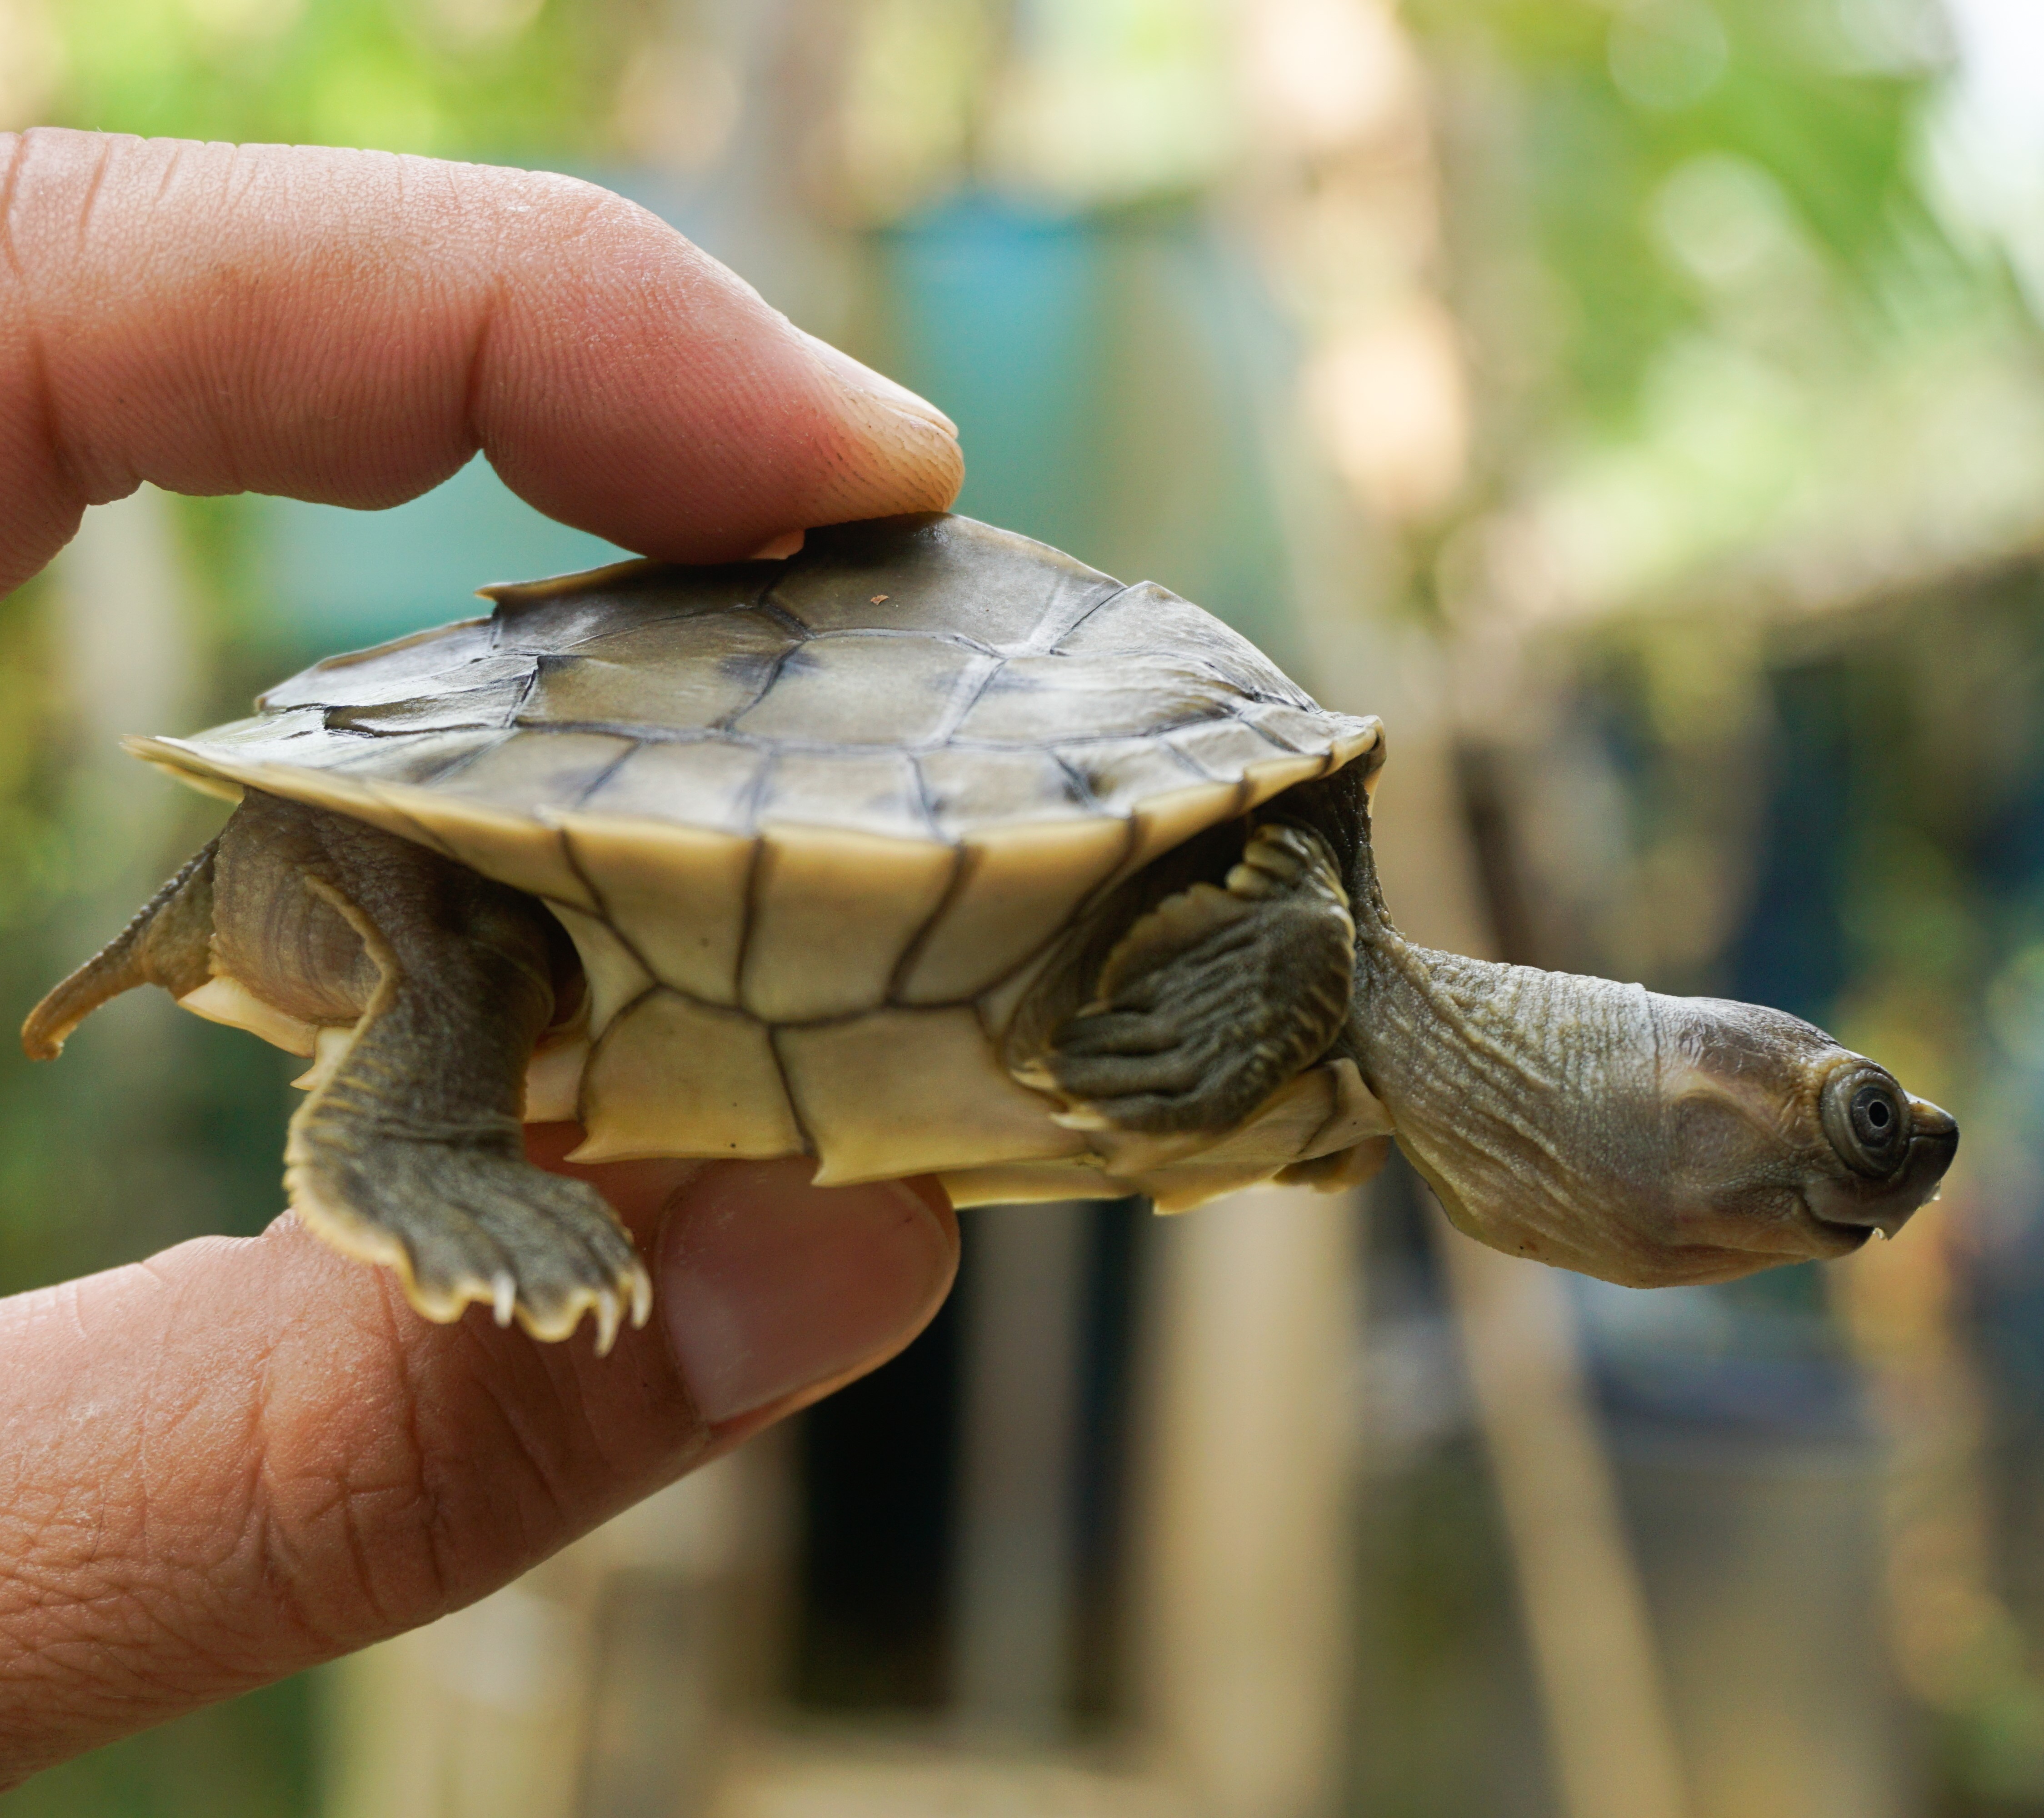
(1867, 1119)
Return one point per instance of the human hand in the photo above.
(245, 1456)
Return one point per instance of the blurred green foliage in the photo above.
(451, 78)
(1606, 106)
(252, 1759)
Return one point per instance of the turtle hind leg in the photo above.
(409, 1151)
(463, 1216)
(168, 943)
(1214, 999)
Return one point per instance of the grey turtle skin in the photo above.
(927, 851)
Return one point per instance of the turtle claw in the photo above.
(466, 1225)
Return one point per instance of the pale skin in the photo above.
(242, 1457)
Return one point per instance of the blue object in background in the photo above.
(1792, 952)
(997, 314)
(1113, 378)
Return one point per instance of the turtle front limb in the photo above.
(409, 1149)
(1214, 1000)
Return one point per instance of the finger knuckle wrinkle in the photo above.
(353, 1543)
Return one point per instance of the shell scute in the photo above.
(740, 636)
(1015, 892)
(1166, 821)
(967, 789)
(906, 1092)
(457, 709)
(551, 616)
(877, 793)
(667, 1066)
(675, 895)
(1224, 749)
(1118, 773)
(259, 736)
(827, 690)
(711, 782)
(1289, 728)
(502, 843)
(729, 663)
(1272, 776)
(1142, 620)
(392, 671)
(415, 760)
(1039, 700)
(536, 771)
(940, 571)
(614, 975)
(832, 913)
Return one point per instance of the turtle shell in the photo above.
(808, 822)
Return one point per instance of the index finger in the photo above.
(350, 327)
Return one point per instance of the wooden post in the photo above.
(593, 1687)
(1245, 1542)
(1013, 1593)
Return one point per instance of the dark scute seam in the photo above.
(604, 775)
(963, 862)
(1103, 602)
(724, 722)
(750, 906)
(605, 915)
(468, 758)
(795, 1114)
(955, 713)
(1081, 787)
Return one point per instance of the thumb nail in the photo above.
(770, 1286)
(864, 381)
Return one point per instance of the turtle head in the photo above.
(1649, 1140)
(1778, 1142)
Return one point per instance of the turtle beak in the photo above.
(1934, 1139)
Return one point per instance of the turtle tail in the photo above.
(169, 942)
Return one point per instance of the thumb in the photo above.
(245, 1456)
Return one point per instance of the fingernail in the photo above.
(863, 379)
(770, 1286)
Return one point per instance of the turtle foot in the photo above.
(1212, 1001)
(461, 1224)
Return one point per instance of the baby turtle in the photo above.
(929, 850)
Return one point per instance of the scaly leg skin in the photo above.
(1214, 1000)
(411, 1150)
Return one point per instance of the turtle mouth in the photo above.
(1839, 1238)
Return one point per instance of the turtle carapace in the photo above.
(929, 850)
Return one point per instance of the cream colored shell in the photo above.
(810, 825)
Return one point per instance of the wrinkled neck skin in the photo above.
(1507, 1085)
(1601, 1127)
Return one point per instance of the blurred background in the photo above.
(1640, 403)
